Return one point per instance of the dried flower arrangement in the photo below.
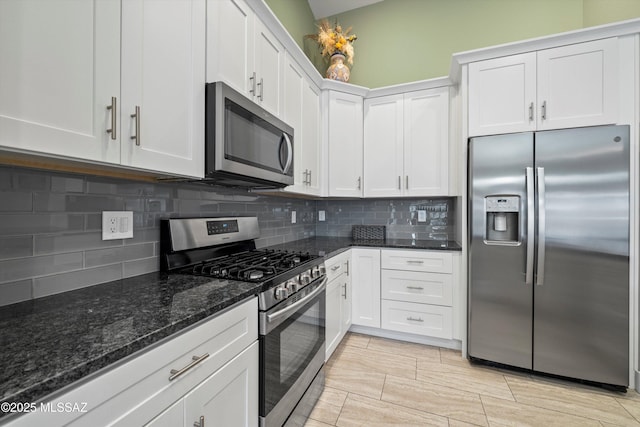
(334, 40)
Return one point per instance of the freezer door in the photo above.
(500, 299)
(581, 296)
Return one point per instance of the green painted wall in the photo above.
(406, 40)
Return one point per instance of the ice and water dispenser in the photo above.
(503, 219)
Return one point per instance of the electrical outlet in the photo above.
(321, 216)
(117, 225)
(293, 217)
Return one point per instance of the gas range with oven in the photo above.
(291, 302)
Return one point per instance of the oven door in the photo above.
(292, 350)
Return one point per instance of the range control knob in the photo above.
(292, 286)
(315, 272)
(322, 269)
(280, 293)
(305, 278)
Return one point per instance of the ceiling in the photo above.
(324, 8)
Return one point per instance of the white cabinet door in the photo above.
(345, 145)
(577, 85)
(426, 142)
(383, 146)
(230, 38)
(311, 136)
(502, 94)
(163, 79)
(269, 63)
(347, 300)
(333, 318)
(229, 397)
(365, 285)
(59, 69)
(292, 115)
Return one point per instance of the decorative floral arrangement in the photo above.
(334, 40)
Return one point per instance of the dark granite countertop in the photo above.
(331, 246)
(48, 343)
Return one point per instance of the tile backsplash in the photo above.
(50, 226)
(404, 218)
(51, 239)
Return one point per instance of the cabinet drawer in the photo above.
(423, 319)
(337, 265)
(415, 260)
(419, 287)
(138, 389)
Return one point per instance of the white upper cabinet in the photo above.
(59, 70)
(163, 85)
(301, 110)
(345, 145)
(568, 86)
(578, 85)
(242, 52)
(406, 151)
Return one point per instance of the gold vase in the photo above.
(338, 70)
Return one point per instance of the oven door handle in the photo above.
(295, 306)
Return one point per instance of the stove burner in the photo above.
(255, 274)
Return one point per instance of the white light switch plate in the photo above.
(293, 217)
(321, 216)
(422, 216)
(117, 225)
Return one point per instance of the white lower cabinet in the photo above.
(417, 292)
(365, 282)
(219, 361)
(338, 314)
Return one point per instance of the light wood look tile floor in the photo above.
(379, 382)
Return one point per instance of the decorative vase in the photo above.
(338, 70)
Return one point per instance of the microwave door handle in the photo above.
(287, 164)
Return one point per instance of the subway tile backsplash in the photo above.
(50, 225)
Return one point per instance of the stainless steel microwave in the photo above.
(245, 145)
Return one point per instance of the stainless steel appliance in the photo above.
(291, 300)
(245, 145)
(549, 252)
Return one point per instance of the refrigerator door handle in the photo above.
(530, 227)
(541, 227)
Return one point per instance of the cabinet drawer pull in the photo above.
(347, 264)
(544, 110)
(199, 423)
(418, 288)
(415, 261)
(531, 112)
(261, 84)
(309, 177)
(196, 359)
(114, 113)
(414, 319)
(136, 116)
(407, 182)
(399, 182)
(335, 267)
(345, 290)
(359, 183)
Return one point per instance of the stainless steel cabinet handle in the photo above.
(530, 227)
(399, 182)
(200, 423)
(417, 288)
(136, 116)
(344, 285)
(347, 263)
(542, 238)
(309, 183)
(304, 174)
(252, 79)
(406, 182)
(261, 84)
(114, 114)
(175, 373)
(359, 183)
(544, 110)
(414, 319)
(531, 112)
(335, 267)
(415, 261)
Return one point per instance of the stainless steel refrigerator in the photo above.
(549, 252)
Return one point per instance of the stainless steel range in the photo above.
(291, 303)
